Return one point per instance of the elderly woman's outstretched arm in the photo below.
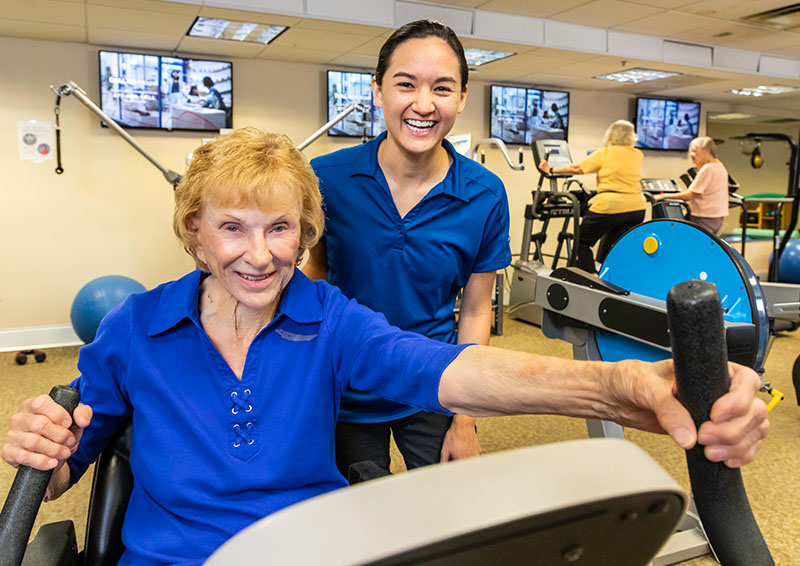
(485, 381)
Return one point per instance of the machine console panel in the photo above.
(555, 151)
(656, 186)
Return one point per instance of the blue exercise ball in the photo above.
(95, 299)
(789, 266)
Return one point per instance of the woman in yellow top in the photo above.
(619, 204)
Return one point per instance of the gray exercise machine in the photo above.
(556, 200)
(590, 502)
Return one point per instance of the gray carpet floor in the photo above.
(771, 481)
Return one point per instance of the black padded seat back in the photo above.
(111, 490)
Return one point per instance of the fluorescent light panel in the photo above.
(478, 57)
(637, 75)
(216, 28)
(762, 90)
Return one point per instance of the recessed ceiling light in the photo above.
(216, 28)
(762, 90)
(478, 57)
(637, 75)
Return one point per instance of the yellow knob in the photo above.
(650, 245)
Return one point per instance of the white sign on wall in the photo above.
(35, 140)
(461, 142)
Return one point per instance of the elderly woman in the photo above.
(232, 375)
(619, 204)
(708, 194)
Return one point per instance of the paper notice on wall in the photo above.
(35, 140)
(461, 143)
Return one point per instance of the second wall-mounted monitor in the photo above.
(522, 115)
(345, 87)
(666, 124)
(164, 92)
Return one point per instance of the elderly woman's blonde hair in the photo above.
(620, 132)
(704, 142)
(244, 167)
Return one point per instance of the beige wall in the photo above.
(110, 212)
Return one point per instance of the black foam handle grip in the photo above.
(697, 333)
(26, 494)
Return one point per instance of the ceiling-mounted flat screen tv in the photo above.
(345, 87)
(666, 124)
(165, 92)
(523, 115)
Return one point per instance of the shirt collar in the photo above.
(366, 163)
(178, 301)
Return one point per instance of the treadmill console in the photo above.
(656, 186)
(555, 151)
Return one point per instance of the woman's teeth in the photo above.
(420, 126)
(253, 277)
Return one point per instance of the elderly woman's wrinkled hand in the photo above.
(42, 435)
(644, 397)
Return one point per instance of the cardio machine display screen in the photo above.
(169, 93)
(524, 115)
(345, 87)
(666, 124)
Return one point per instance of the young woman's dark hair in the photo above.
(421, 29)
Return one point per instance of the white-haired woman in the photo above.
(708, 194)
(619, 204)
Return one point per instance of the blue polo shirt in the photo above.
(409, 268)
(211, 454)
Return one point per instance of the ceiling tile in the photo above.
(470, 43)
(565, 55)
(792, 50)
(253, 17)
(365, 62)
(665, 4)
(523, 64)
(462, 3)
(664, 24)
(149, 6)
(44, 11)
(319, 40)
(551, 80)
(219, 47)
(605, 13)
(371, 47)
(731, 9)
(534, 8)
(341, 27)
(138, 21)
(766, 42)
(590, 67)
(42, 31)
(722, 33)
(124, 39)
(297, 55)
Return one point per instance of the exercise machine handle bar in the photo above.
(697, 334)
(327, 126)
(26, 493)
(70, 88)
(503, 149)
